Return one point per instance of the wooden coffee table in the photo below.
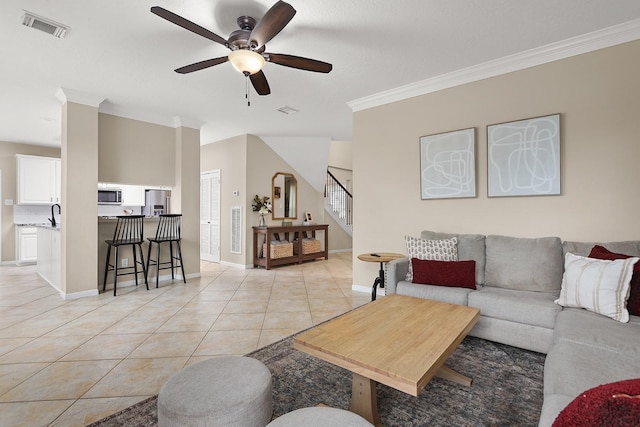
(398, 340)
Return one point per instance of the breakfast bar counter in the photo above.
(49, 260)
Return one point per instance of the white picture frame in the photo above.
(523, 157)
(447, 165)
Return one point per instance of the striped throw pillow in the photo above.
(600, 286)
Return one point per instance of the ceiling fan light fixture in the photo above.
(246, 61)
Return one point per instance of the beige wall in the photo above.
(187, 195)
(79, 226)
(341, 163)
(598, 97)
(8, 152)
(341, 154)
(229, 156)
(135, 152)
(247, 164)
(262, 164)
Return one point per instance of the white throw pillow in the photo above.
(597, 285)
(438, 250)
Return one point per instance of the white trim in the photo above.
(589, 42)
(69, 95)
(337, 251)
(76, 295)
(368, 289)
(153, 118)
(152, 280)
(236, 265)
(187, 122)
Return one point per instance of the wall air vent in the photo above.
(236, 229)
(43, 24)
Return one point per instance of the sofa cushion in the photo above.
(531, 308)
(438, 293)
(613, 404)
(579, 326)
(630, 247)
(600, 286)
(524, 264)
(633, 303)
(551, 407)
(442, 250)
(460, 274)
(470, 246)
(573, 368)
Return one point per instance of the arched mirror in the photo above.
(284, 195)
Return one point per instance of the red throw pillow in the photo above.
(459, 274)
(614, 404)
(633, 303)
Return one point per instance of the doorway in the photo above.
(210, 216)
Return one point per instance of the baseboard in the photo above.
(233, 264)
(367, 289)
(152, 280)
(77, 295)
(336, 251)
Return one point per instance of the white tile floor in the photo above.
(69, 363)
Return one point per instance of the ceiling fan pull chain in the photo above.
(246, 90)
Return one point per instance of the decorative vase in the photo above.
(262, 222)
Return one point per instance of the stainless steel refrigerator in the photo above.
(157, 202)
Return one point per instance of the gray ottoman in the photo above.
(320, 416)
(230, 391)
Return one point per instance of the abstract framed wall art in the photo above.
(523, 157)
(447, 165)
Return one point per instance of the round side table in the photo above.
(380, 257)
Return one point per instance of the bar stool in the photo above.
(168, 231)
(129, 231)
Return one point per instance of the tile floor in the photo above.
(69, 363)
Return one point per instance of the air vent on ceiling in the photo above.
(43, 24)
(288, 110)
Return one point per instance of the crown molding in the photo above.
(187, 122)
(129, 113)
(70, 95)
(145, 116)
(589, 42)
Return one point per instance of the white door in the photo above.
(210, 216)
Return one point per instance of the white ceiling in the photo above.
(118, 50)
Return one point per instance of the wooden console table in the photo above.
(293, 233)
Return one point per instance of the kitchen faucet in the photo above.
(52, 220)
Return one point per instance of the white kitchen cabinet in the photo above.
(49, 267)
(132, 195)
(26, 245)
(39, 180)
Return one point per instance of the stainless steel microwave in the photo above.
(111, 196)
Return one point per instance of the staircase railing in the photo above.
(339, 198)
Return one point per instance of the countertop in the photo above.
(39, 225)
(114, 218)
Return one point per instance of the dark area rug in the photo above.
(506, 389)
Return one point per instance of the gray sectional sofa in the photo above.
(517, 281)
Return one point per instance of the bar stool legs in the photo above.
(175, 259)
(168, 232)
(128, 232)
(108, 267)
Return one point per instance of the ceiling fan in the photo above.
(248, 45)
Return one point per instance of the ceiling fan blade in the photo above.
(299, 62)
(202, 65)
(271, 24)
(260, 84)
(188, 25)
